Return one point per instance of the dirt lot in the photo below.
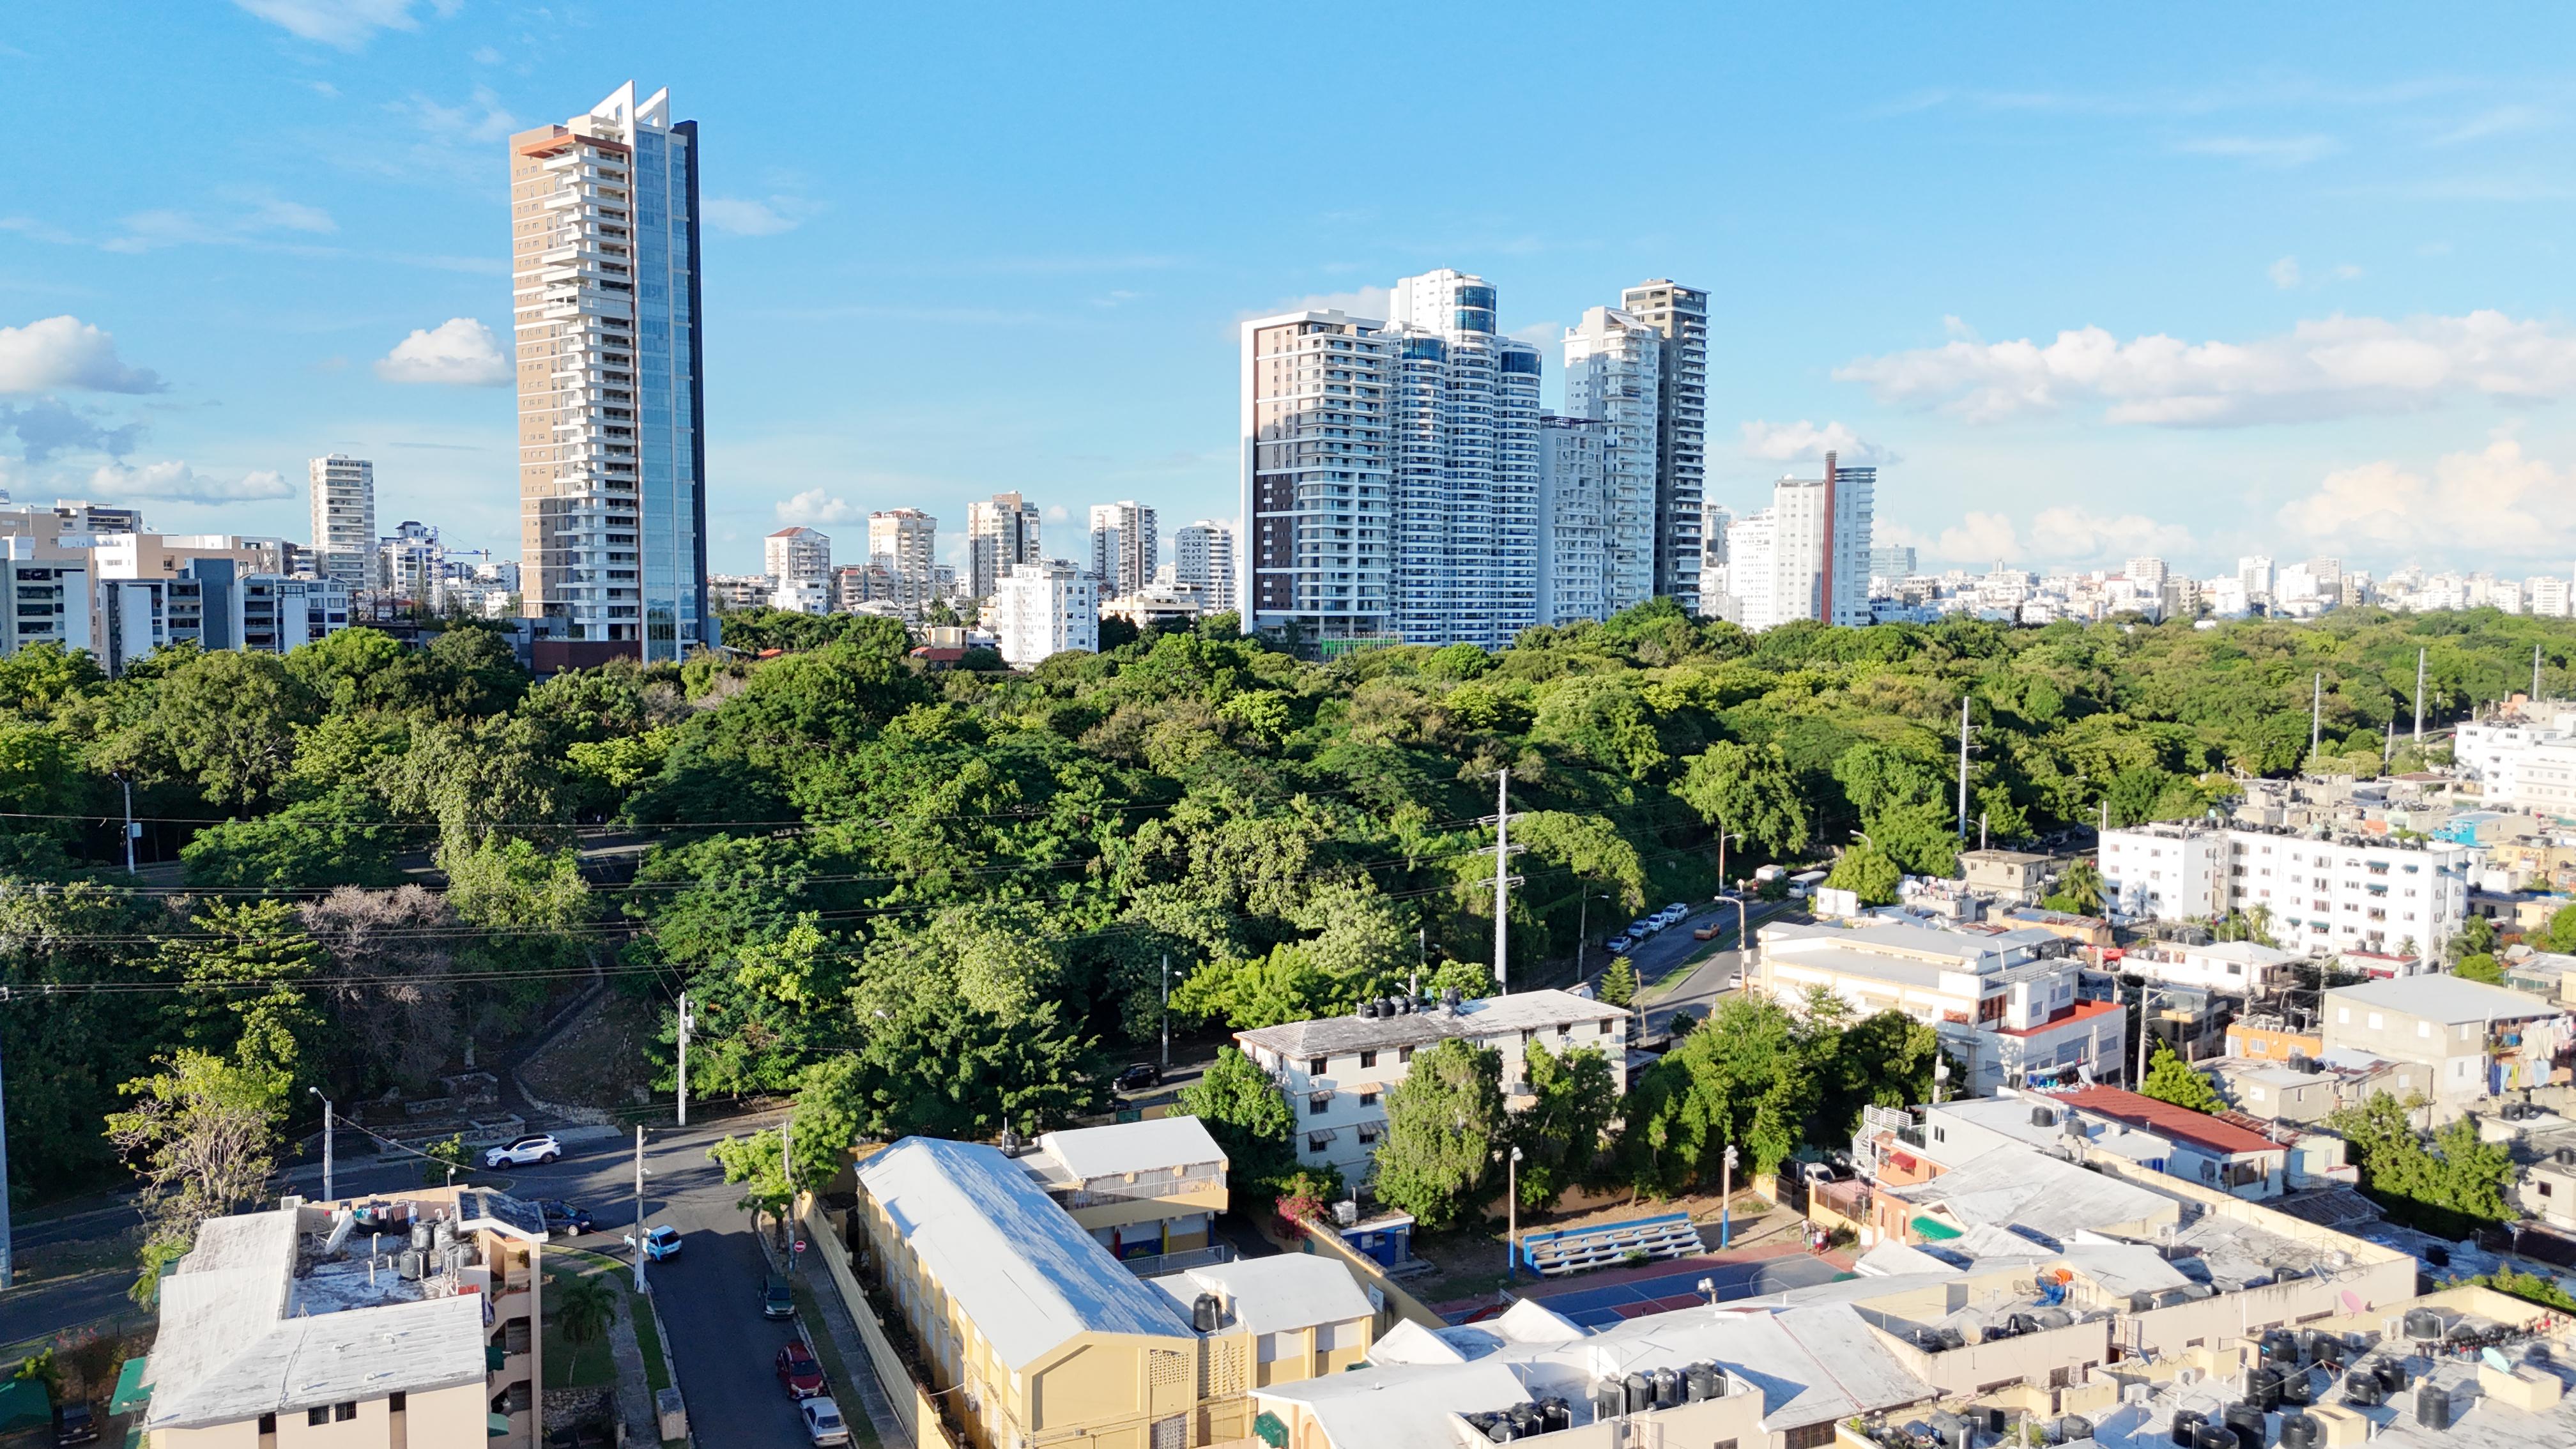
(599, 1060)
(1469, 1263)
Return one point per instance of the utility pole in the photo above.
(2419, 699)
(327, 1124)
(685, 1024)
(1502, 882)
(1512, 1207)
(1963, 768)
(2535, 674)
(8, 1253)
(1725, 1198)
(787, 1165)
(129, 822)
(1167, 1011)
(1982, 823)
(2388, 744)
(639, 1207)
(2316, 716)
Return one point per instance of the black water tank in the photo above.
(2362, 1387)
(1501, 1431)
(1699, 1382)
(2298, 1388)
(2247, 1421)
(2263, 1387)
(2219, 1436)
(1556, 1414)
(2433, 1405)
(1994, 1421)
(2298, 1431)
(1641, 1393)
(1668, 1388)
(2393, 1375)
(2187, 1426)
(1205, 1313)
(2280, 1346)
(2074, 1429)
(2439, 1257)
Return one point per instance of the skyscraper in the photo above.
(1613, 368)
(1891, 561)
(1573, 519)
(1203, 559)
(344, 518)
(1807, 555)
(1680, 315)
(1717, 599)
(1316, 465)
(604, 299)
(905, 541)
(1124, 550)
(999, 533)
(798, 554)
(1465, 445)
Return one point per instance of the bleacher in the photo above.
(1579, 1250)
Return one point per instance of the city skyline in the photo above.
(2368, 339)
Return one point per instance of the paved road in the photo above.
(1666, 991)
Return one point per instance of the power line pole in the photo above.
(1167, 1011)
(1963, 769)
(2419, 699)
(8, 1254)
(684, 1058)
(129, 822)
(327, 1124)
(639, 1207)
(787, 1166)
(1502, 882)
(2535, 674)
(2316, 716)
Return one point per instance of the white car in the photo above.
(823, 1423)
(538, 1149)
(1619, 945)
(1671, 914)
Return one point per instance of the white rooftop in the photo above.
(1268, 1295)
(1024, 1270)
(2445, 999)
(2037, 1195)
(1489, 1016)
(1124, 1147)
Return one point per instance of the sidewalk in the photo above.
(857, 1367)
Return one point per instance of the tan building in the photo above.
(1149, 1192)
(321, 1325)
(2477, 1039)
(905, 541)
(2014, 877)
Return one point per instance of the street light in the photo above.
(1725, 1198)
(1512, 1222)
(1583, 927)
(327, 1194)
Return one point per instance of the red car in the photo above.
(798, 1373)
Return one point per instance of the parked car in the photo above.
(1139, 1076)
(1617, 945)
(798, 1371)
(777, 1300)
(75, 1424)
(563, 1217)
(540, 1149)
(1673, 912)
(661, 1241)
(823, 1423)
(1644, 926)
(1706, 933)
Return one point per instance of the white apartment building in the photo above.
(2323, 896)
(2254, 575)
(1808, 556)
(1465, 451)
(344, 518)
(2522, 761)
(1573, 498)
(2147, 572)
(1613, 375)
(798, 554)
(604, 299)
(1679, 315)
(2003, 999)
(1717, 596)
(1001, 533)
(1203, 560)
(49, 598)
(1124, 549)
(409, 562)
(1336, 1070)
(1318, 505)
(2239, 968)
(1044, 609)
(904, 540)
(2550, 596)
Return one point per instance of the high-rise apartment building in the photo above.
(1042, 609)
(408, 563)
(1613, 371)
(1001, 532)
(1465, 445)
(904, 540)
(1680, 315)
(1573, 512)
(1317, 478)
(2254, 573)
(1717, 598)
(1807, 555)
(344, 518)
(1123, 547)
(1891, 561)
(2147, 572)
(604, 297)
(798, 555)
(1203, 559)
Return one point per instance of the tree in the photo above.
(1244, 1111)
(226, 720)
(1747, 789)
(1617, 984)
(1560, 1133)
(1743, 1080)
(2081, 885)
(2451, 1188)
(442, 1160)
(1866, 871)
(758, 1163)
(392, 956)
(2171, 1079)
(203, 1133)
(2480, 967)
(2562, 930)
(584, 1308)
(1443, 1122)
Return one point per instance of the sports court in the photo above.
(1590, 1302)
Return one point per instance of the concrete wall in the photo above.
(1321, 1239)
(911, 1407)
(1983, 1366)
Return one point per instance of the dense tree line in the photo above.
(938, 901)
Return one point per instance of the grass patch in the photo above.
(836, 1371)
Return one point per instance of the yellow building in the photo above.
(1146, 1190)
(321, 1325)
(1037, 1336)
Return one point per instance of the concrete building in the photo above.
(1124, 547)
(2010, 877)
(49, 599)
(905, 541)
(739, 591)
(344, 518)
(1318, 479)
(1809, 557)
(1891, 561)
(1149, 1192)
(798, 554)
(1203, 559)
(1613, 376)
(1044, 609)
(2237, 968)
(1573, 509)
(605, 311)
(278, 1329)
(2476, 1039)
(1001, 534)
(408, 563)
(1464, 447)
(1679, 316)
(2351, 893)
(1716, 595)
(1160, 606)
(1336, 1070)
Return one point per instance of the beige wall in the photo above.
(2032, 1356)
(449, 1418)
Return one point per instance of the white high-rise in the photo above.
(1573, 512)
(604, 298)
(1613, 373)
(1807, 555)
(1717, 598)
(1317, 505)
(1043, 609)
(1465, 445)
(2254, 573)
(1123, 547)
(1000, 533)
(1679, 315)
(798, 555)
(904, 540)
(1203, 559)
(2148, 572)
(344, 518)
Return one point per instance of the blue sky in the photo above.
(2183, 279)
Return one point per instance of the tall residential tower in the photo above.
(1203, 559)
(1316, 478)
(1466, 456)
(1000, 532)
(1613, 375)
(604, 304)
(1680, 315)
(344, 519)
(1807, 555)
(1124, 550)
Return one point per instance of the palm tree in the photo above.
(584, 1308)
(2082, 884)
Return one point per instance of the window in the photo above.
(1368, 1059)
(321, 1415)
(1404, 1055)
(343, 1413)
(1317, 1102)
(1369, 1133)
(395, 1401)
(268, 1423)
(1318, 1141)
(1368, 1099)
(1315, 1066)
(1273, 1345)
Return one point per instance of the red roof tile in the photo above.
(2167, 1120)
(2080, 1011)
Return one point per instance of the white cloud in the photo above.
(1058, 513)
(347, 24)
(814, 505)
(2498, 121)
(2495, 501)
(1373, 302)
(1978, 539)
(740, 217)
(66, 352)
(2333, 367)
(459, 352)
(2285, 273)
(2263, 150)
(1788, 442)
(179, 483)
(2060, 535)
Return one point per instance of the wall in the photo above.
(1320, 1238)
(912, 1408)
(2030, 1356)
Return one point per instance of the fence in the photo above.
(902, 1389)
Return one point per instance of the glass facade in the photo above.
(666, 362)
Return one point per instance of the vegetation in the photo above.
(2450, 1186)
(2171, 1079)
(1444, 1122)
